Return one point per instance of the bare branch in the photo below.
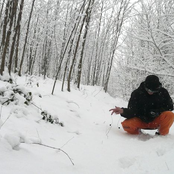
(56, 149)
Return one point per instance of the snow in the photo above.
(90, 137)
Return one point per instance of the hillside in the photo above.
(82, 133)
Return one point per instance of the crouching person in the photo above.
(150, 107)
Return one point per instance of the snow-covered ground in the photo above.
(90, 137)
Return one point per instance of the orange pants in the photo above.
(163, 123)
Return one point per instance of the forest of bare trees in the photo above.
(148, 47)
(110, 43)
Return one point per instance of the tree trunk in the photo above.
(14, 39)
(88, 16)
(32, 55)
(26, 37)
(67, 61)
(67, 44)
(12, 14)
(96, 57)
(75, 53)
(5, 23)
(18, 28)
(1, 12)
(119, 22)
(2, 8)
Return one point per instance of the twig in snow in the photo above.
(109, 127)
(118, 123)
(1, 111)
(67, 142)
(97, 92)
(36, 106)
(108, 131)
(56, 149)
(38, 135)
(5, 121)
(74, 103)
(167, 165)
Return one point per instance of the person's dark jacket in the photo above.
(147, 107)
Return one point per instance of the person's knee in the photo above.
(132, 122)
(167, 115)
(130, 130)
(166, 121)
(131, 125)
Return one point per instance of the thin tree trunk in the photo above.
(31, 57)
(33, 60)
(26, 37)
(67, 44)
(75, 53)
(119, 23)
(14, 38)
(88, 13)
(1, 23)
(2, 8)
(96, 57)
(12, 13)
(68, 60)
(18, 28)
(5, 23)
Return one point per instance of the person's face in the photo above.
(151, 92)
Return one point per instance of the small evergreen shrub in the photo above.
(50, 118)
(14, 94)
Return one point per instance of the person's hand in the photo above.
(116, 110)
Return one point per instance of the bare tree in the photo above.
(88, 17)
(2, 9)
(26, 37)
(75, 52)
(5, 23)
(16, 33)
(33, 49)
(65, 47)
(149, 45)
(12, 13)
(117, 31)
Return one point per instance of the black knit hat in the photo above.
(152, 82)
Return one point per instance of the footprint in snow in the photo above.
(162, 150)
(126, 162)
(75, 132)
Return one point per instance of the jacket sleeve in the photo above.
(131, 111)
(167, 104)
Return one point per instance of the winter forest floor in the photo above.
(90, 137)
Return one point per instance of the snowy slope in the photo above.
(90, 136)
